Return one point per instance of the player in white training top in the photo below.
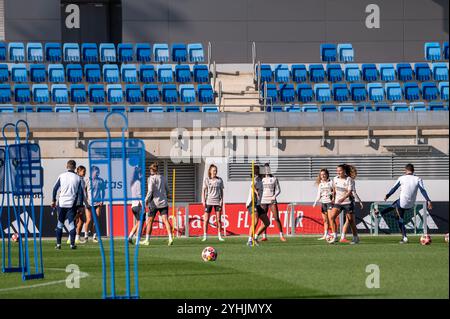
(136, 205)
(324, 196)
(212, 198)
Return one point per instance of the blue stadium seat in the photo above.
(111, 73)
(210, 109)
(400, 107)
(310, 108)
(292, 108)
(443, 90)
(287, 92)
(82, 109)
(352, 73)
(63, 109)
(346, 52)
(328, 108)
(136, 108)
(387, 72)
(143, 52)
(432, 51)
(71, 52)
(430, 91)
(56, 73)
(16, 52)
(7, 108)
(205, 93)
(437, 106)
(376, 92)
(169, 93)
(187, 93)
(60, 94)
(19, 73)
(44, 109)
(35, 52)
(282, 74)
(118, 108)
(316, 73)
(125, 52)
(89, 52)
(179, 52)
(192, 109)
(305, 93)
(3, 51)
(274, 108)
(40, 93)
(201, 73)
(161, 52)
(364, 107)
(165, 73)
(147, 73)
(445, 50)
(53, 52)
(5, 93)
(382, 107)
(394, 91)
(108, 53)
(4, 73)
(151, 93)
(328, 52)
(369, 72)
(272, 93)
(322, 92)
(334, 73)
(196, 53)
(423, 72)
(174, 108)
(133, 93)
(358, 92)
(100, 109)
(440, 71)
(299, 73)
(183, 73)
(340, 92)
(78, 93)
(92, 73)
(266, 73)
(156, 109)
(115, 93)
(129, 73)
(74, 73)
(404, 72)
(38, 73)
(96, 93)
(417, 107)
(22, 93)
(412, 91)
(346, 107)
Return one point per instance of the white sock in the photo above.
(170, 237)
(77, 237)
(325, 233)
(264, 235)
(205, 235)
(281, 234)
(147, 237)
(342, 236)
(249, 238)
(95, 235)
(130, 236)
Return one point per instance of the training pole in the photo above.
(253, 204)
(173, 202)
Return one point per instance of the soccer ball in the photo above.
(446, 238)
(209, 254)
(15, 237)
(425, 240)
(329, 239)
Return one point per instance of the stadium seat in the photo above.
(129, 73)
(358, 92)
(445, 50)
(328, 108)
(24, 108)
(151, 93)
(44, 109)
(4, 73)
(5, 93)
(287, 93)
(352, 73)
(382, 107)
(340, 92)
(7, 108)
(328, 52)
(82, 109)
(78, 93)
(169, 93)
(334, 73)
(60, 94)
(423, 72)
(310, 108)
(183, 73)
(364, 107)
(196, 53)
(100, 109)
(266, 73)
(115, 93)
(22, 93)
(394, 91)
(125, 52)
(432, 51)
(404, 72)
(346, 52)
(412, 91)
(400, 107)
(440, 71)
(271, 94)
(118, 108)
(161, 52)
(201, 73)
(71, 52)
(369, 72)
(96, 93)
(143, 52)
(19, 73)
(281, 73)
(417, 107)
(136, 109)
(346, 107)
(292, 108)
(53, 52)
(210, 109)
(40, 93)
(35, 52)
(165, 73)
(92, 73)
(16, 52)
(205, 93)
(147, 73)
(376, 92)
(299, 73)
(274, 108)
(174, 108)
(63, 109)
(192, 109)
(322, 92)
(305, 93)
(387, 72)
(111, 73)
(316, 73)
(89, 52)
(74, 73)
(107, 53)
(2, 51)
(187, 93)
(437, 106)
(38, 73)
(156, 109)
(56, 73)
(429, 91)
(133, 93)
(444, 91)
(179, 52)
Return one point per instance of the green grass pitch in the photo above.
(300, 268)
